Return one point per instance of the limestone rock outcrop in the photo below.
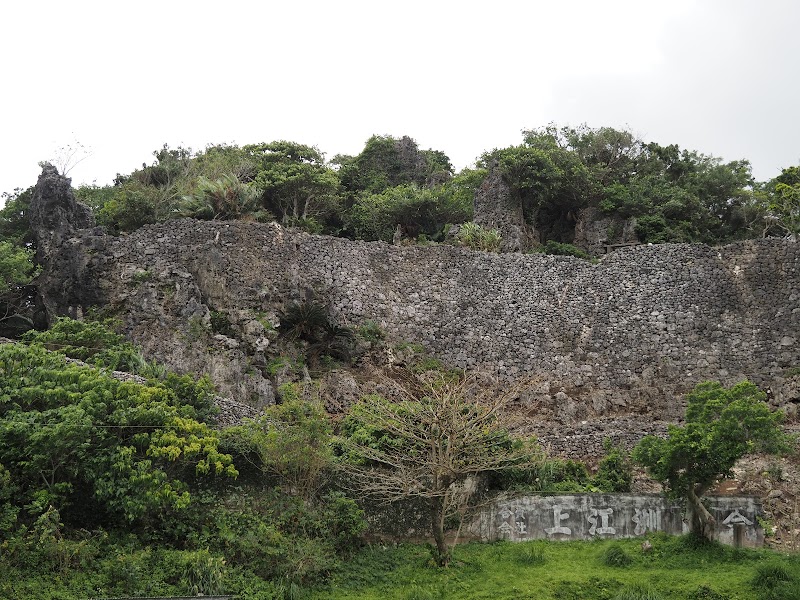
(55, 214)
(495, 207)
(65, 239)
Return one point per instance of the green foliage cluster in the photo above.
(169, 510)
(16, 272)
(14, 226)
(292, 183)
(559, 249)
(371, 332)
(477, 237)
(779, 204)
(557, 475)
(722, 425)
(222, 199)
(94, 447)
(17, 264)
(308, 323)
(387, 162)
(16, 267)
(614, 472)
(99, 344)
(295, 183)
(552, 475)
(93, 342)
(676, 195)
(417, 211)
(290, 442)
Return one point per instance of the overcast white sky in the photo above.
(123, 78)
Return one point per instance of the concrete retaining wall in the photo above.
(588, 516)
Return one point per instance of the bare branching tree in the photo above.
(433, 445)
(70, 155)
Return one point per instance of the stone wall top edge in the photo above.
(174, 227)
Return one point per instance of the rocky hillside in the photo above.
(611, 345)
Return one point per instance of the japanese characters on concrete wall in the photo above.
(586, 516)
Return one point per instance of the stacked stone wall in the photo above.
(624, 336)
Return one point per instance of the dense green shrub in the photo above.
(94, 342)
(553, 475)
(133, 205)
(477, 237)
(615, 556)
(559, 249)
(291, 443)
(92, 446)
(415, 210)
(615, 472)
(370, 331)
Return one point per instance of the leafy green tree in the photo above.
(291, 443)
(94, 342)
(683, 196)
(387, 162)
(687, 197)
(296, 184)
(614, 472)
(224, 159)
(131, 205)
(16, 266)
(14, 226)
(722, 425)
(781, 204)
(610, 155)
(549, 179)
(94, 447)
(432, 445)
(418, 211)
(785, 208)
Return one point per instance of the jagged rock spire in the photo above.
(55, 214)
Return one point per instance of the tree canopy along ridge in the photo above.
(677, 195)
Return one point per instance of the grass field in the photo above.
(674, 568)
